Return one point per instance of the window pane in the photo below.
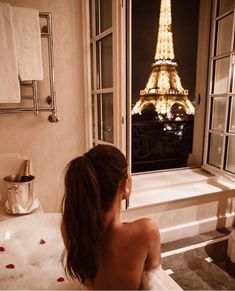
(99, 115)
(92, 73)
(224, 33)
(215, 149)
(103, 10)
(221, 73)
(225, 6)
(97, 16)
(91, 17)
(105, 14)
(93, 115)
(104, 63)
(232, 114)
(218, 113)
(232, 77)
(230, 163)
(105, 117)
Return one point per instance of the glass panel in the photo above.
(230, 162)
(224, 34)
(221, 73)
(218, 113)
(232, 77)
(97, 16)
(104, 63)
(105, 14)
(215, 149)
(105, 117)
(232, 116)
(99, 116)
(108, 117)
(93, 115)
(92, 73)
(225, 6)
(91, 17)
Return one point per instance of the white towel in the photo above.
(28, 43)
(158, 279)
(9, 83)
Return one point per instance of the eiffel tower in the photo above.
(164, 90)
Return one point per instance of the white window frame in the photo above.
(119, 75)
(210, 95)
(204, 27)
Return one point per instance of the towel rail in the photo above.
(46, 32)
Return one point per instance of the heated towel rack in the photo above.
(35, 106)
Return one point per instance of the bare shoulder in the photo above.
(146, 223)
(146, 228)
(145, 233)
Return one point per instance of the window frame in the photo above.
(210, 95)
(119, 72)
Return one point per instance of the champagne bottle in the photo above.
(26, 172)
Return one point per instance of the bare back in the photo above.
(128, 249)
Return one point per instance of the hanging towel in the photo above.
(28, 43)
(9, 83)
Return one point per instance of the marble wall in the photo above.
(51, 146)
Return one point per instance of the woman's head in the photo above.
(92, 183)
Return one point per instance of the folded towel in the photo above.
(9, 83)
(28, 43)
(158, 279)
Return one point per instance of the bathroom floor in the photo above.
(196, 265)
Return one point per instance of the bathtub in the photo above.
(30, 251)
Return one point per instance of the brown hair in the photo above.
(91, 184)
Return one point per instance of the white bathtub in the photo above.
(30, 251)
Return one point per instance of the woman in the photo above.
(102, 251)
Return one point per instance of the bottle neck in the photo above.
(26, 168)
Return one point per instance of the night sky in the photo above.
(145, 18)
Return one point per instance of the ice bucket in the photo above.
(20, 194)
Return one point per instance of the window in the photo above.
(101, 50)
(219, 155)
(105, 50)
(163, 67)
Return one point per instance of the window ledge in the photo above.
(168, 186)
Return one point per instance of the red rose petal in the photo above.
(10, 266)
(61, 279)
(2, 249)
(42, 242)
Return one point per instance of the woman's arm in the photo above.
(153, 259)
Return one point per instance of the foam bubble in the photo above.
(37, 266)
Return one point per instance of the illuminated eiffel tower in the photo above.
(164, 90)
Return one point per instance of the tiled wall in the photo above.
(51, 146)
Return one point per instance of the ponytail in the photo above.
(82, 219)
(91, 184)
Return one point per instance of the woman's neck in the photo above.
(112, 217)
